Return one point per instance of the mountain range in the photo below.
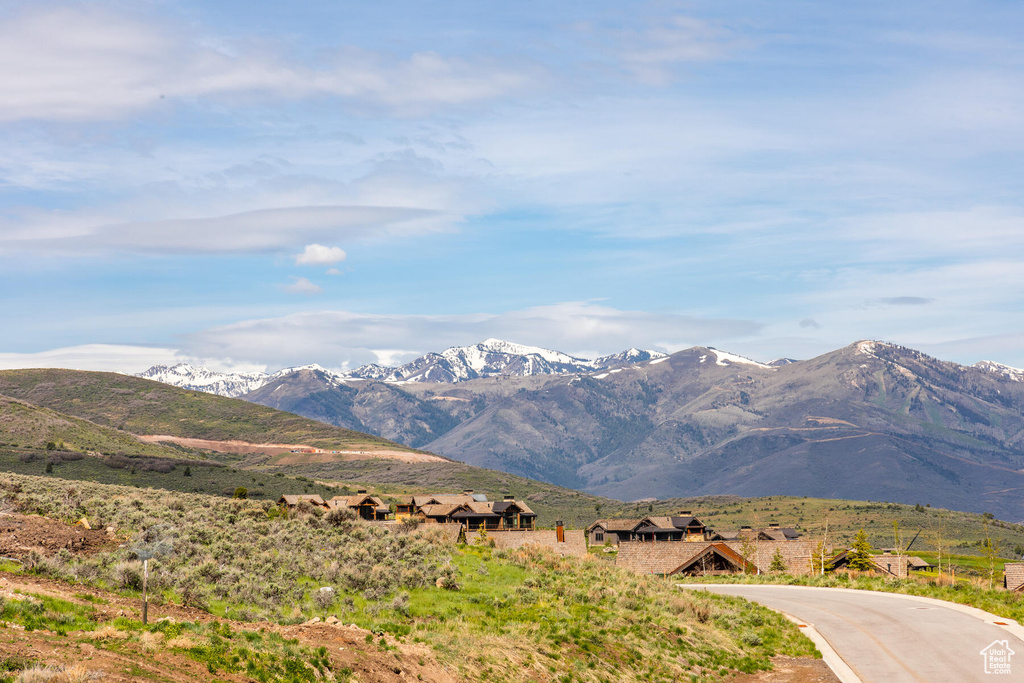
(489, 358)
(869, 421)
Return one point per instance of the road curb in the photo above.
(829, 655)
(1005, 623)
(832, 659)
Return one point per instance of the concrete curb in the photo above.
(829, 655)
(832, 659)
(1005, 623)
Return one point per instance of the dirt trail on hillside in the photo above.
(244, 447)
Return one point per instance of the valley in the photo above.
(869, 421)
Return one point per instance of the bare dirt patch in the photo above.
(791, 670)
(22, 534)
(236, 447)
(285, 450)
(339, 456)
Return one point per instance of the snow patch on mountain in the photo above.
(1011, 373)
(187, 376)
(230, 384)
(724, 358)
(489, 358)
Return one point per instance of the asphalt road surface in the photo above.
(890, 638)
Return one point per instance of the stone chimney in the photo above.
(773, 525)
(685, 513)
(467, 492)
(360, 491)
(509, 497)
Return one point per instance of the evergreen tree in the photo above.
(860, 555)
(778, 562)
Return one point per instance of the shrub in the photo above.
(340, 515)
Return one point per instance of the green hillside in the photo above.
(23, 425)
(957, 532)
(142, 406)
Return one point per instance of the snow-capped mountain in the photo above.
(230, 384)
(489, 358)
(1015, 374)
(202, 379)
(486, 359)
(627, 357)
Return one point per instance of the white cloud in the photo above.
(83, 63)
(652, 53)
(301, 285)
(334, 271)
(250, 231)
(344, 338)
(115, 358)
(319, 255)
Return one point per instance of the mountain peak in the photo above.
(1011, 373)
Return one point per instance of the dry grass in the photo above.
(58, 674)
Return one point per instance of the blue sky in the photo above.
(255, 184)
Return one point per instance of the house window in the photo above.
(599, 537)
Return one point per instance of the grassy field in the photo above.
(203, 476)
(142, 406)
(959, 533)
(261, 657)
(23, 425)
(525, 615)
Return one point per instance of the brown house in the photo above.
(1013, 576)
(773, 532)
(291, 501)
(682, 527)
(469, 509)
(507, 515)
(611, 531)
(365, 506)
(715, 557)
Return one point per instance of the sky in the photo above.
(256, 185)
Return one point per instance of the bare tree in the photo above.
(990, 551)
(897, 538)
(156, 541)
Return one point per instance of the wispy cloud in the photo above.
(905, 301)
(116, 358)
(345, 338)
(82, 63)
(251, 231)
(653, 52)
(301, 285)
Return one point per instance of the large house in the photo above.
(682, 544)
(715, 557)
(681, 527)
(611, 531)
(469, 509)
(365, 506)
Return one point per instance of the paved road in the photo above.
(890, 638)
